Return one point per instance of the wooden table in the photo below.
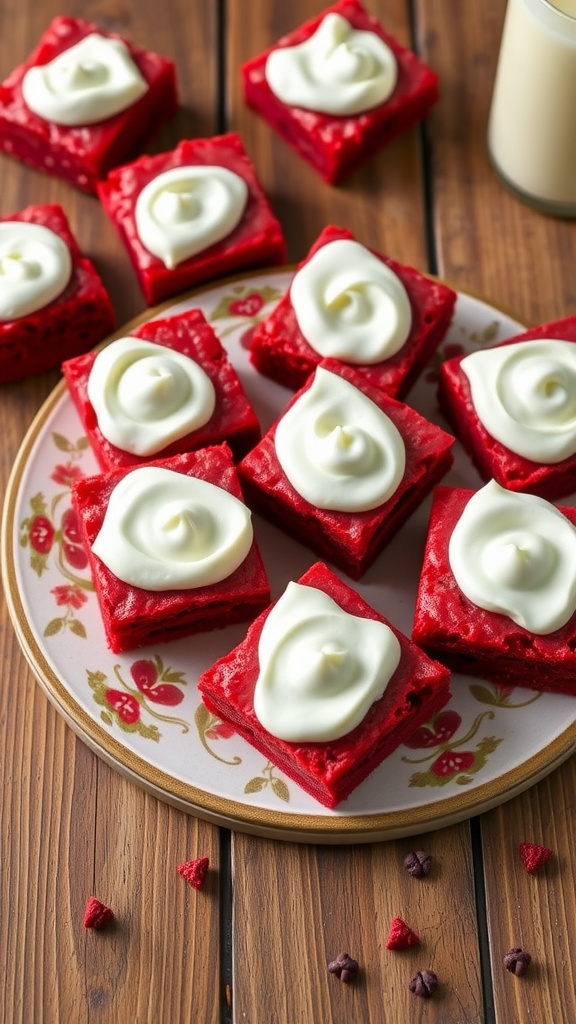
(253, 947)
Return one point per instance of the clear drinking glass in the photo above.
(532, 126)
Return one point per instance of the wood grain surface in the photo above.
(253, 946)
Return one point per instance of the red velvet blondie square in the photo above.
(232, 420)
(158, 198)
(280, 350)
(134, 616)
(477, 641)
(323, 119)
(351, 538)
(52, 302)
(525, 392)
(332, 769)
(122, 94)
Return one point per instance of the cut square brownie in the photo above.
(344, 467)
(138, 401)
(339, 88)
(171, 548)
(508, 614)
(84, 101)
(52, 302)
(306, 668)
(192, 214)
(350, 303)
(513, 406)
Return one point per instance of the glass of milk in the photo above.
(532, 127)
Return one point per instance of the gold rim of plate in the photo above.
(225, 811)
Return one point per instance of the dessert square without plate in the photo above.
(83, 154)
(233, 419)
(350, 540)
(256, 240)
(73, 322)
(336, 145)
(329, 771)
(134, 617)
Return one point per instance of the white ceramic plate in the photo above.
(487, 745)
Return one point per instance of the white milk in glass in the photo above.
(532, 128)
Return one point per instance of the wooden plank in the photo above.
(296, 908)
(534, 912)
(489, 242)
(69, 825)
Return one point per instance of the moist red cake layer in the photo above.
(280, 351)
(134, 617)
(330, 771)
(257, 239)
(83, 154)
(233, 419)
(491, 458)
(350, 540)
(477, 642)
(77, 319)
(333, 145)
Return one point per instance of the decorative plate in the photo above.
(141, 712)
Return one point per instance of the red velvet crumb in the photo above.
(194, 871)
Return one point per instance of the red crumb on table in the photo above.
(401, 935)
(534, 856)
(194, 871)
(97, 914)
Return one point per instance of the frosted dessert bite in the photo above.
(171, 548)
(497, 594)
(513, 406)
(324, 686)
(344, 467)
(165, 389)
(192, 214)
(84, 101)
(346, 302)
(339, 88)
(52, 302)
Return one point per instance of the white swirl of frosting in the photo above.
(187, 209)
(338, 449)
(89, 82)
(338, 70)
(515, 554)
(524, 395)
(146, 396)
(167, 531)
(350, 305)
(35, 267)
(321, 668)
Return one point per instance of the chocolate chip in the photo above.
(418, 863)
(344, 967)
(517, 961)
(424, 983)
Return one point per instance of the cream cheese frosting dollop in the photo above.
(321, 668)
(89, 82)
(339, 70)
(515, 554)
(146, 396)
(35, 267)
(167, 531)
(524, 394)
(338, 449)
(186, 209)
(350, 305)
